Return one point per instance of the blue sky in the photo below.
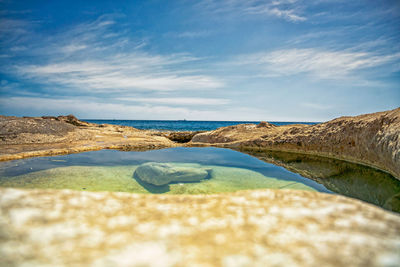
(282, 60)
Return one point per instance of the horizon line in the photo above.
(197, 120)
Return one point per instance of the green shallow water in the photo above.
(228, 171)
(121, 179)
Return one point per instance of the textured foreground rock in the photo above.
(250, 228)
(164, 173)
(371, 139)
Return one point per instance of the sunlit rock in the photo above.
(248, 228)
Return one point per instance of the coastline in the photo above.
(370, 139)
(259, 226)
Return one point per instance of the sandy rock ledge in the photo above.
(249, 228)
(47, 136)
(370, 139)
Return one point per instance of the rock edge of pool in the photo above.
(250, 228)
(201, 170)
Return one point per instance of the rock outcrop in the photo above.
(371, 139)
(12, 127)
(251, 228)
(342, 177)
(164, 173)
(248, 228)
(180, 137)
(45, 136)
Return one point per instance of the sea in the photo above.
(184, 125)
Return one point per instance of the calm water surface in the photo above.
(109, 170)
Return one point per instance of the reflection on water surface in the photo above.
(229, 171)
(345, 178)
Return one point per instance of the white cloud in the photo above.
(316, 106)
(81, 59)
(141, 72)
(316, 62)
(288, 10)
(288, 14)
(13, 25)
(190, 34)
(18, 48)
(183, 101)
(73, 48)
(13, 32)
(89, 108)
(93, 109)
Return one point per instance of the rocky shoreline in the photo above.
(248, 228)
(370, 139)
(47, 136)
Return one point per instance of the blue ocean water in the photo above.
(183, 125)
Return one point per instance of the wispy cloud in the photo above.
(120, 73)
(316, 62)
(190, 34)
(14, 31)
(13, 12)
(316, 106)
(289, 10)
(97, 109)
(209, 60)
(8, 25)
(181, 101)
(40, 106)
(82, 58)
(71, 48)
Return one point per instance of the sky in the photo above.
(274, 60)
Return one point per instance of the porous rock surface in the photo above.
(164, 173)
(44, 136)
(248, 228)
(371, 139)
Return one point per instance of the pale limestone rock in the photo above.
(165, 173)
(248, 228)
(371, 139)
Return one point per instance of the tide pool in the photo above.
(109, 170)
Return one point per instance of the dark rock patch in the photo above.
(181, 137)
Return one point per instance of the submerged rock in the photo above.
(165, 173)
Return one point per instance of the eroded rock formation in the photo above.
(252, 228)
(44, 136)
(372, 139)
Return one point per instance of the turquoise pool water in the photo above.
(227, 171)
(110, 170)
